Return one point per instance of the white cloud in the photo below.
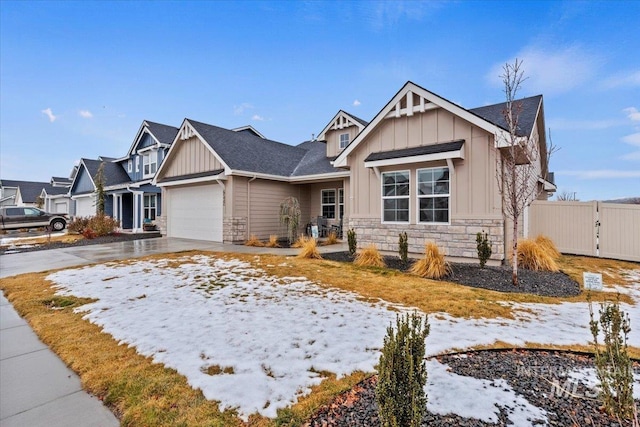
(356, 103)
(633, 139)
(632, 113)
(601, 174)
(85, 114)
(49, 114)
(257, 118)
(551, 71)
(384, 14)
(629, 79)
(239, 109)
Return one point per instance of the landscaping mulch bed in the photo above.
(542, 283)
(117, 237)
(531, 374)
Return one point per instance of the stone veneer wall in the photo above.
(161, 223)
(456, 240)
(234, 229)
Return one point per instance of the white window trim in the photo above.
(340, 204)
(155, 207)
(149, 156)
(383, 197)
(418, 197)
(334, 204)
(138, 161)
(342, 147)
(130, 166)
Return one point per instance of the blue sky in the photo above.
(78, 78)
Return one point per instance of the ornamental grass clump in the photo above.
(300, 242)
(273, 242)
(432, 265)
(402, 373)
(369, 257)
(613, 365)
(332, 239)
(532, 256)
(548, 245)
(309, 250)
(253, 241)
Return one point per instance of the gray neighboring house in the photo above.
(56, 196)
(20, 193)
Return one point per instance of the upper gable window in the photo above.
(433, 195)
(150, 163)
(130, 166)
(344, 140)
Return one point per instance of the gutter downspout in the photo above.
(249, 206)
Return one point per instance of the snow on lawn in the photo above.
(13, 240)
(274, 334)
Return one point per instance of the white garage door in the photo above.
(195, 212)
(60, 207)
(85, 207)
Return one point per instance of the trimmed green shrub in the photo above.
(402, 373)
(484, 248)
(613, 365)
(403, 247)
(353, 241)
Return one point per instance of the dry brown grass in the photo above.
(40, 240)
(310, 250)
(532, 256)
(300, 242)
(369, 257)
(254, 241)
(331, 239)
(432, 265)
(548, 246)
(273, 242)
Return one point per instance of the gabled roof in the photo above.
(315, 161)
(106, 158)
(113, 173)
(488, 118)
(241, 151)
(249, 129)
(29, 190)
(341, 120)
(527, 115)
(52, 190)
(163, 134)
(61, 181)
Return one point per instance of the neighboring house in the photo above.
(83, 187)
(56, 196)
(423, 165)
(137, 200)
(20, 193)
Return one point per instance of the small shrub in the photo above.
(273, 242)
(532, 256)
(332, 239)
(369, 257)
(432, 265)
(484, 248)
(78, 225)
(402, 373)
(309, 250)
(403, 247)
(548, 245)
(102, 225)
(300, 242)
(88, 233)
(253, 241)
(353, 241)
(613, 365)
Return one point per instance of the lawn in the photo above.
(231, 338)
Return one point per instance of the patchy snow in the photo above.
(12, 240)
(277, 333)
(589, 378)
(450, 393)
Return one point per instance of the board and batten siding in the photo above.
(474, 190)
(192, 156)
(333, 139)
(263, 203)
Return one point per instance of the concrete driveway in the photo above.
(37, 388)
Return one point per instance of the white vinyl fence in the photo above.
(607, 230)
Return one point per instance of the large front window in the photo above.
(150, 206)
(150, 163)
(329, 204)
(395, 196)
(433, 195)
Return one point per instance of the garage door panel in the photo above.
(85, 207)
(195, 212)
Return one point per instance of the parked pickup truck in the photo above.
(13, 217)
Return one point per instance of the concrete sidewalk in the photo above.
(36, 387)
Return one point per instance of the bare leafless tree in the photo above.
(522, 161)
(566, 196)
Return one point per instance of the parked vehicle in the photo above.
(14, 217)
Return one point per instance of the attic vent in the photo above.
(186, 132)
